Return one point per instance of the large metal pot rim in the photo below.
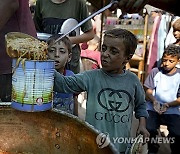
(84, 123)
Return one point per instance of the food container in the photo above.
(32, 85)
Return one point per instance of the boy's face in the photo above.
(169, 62)
(176, 33)
(113, 57)
(59, 53)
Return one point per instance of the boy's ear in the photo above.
(178, 61)
(69, 57)
(128, 58)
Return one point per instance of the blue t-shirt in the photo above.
(64, 101)
(166, 88)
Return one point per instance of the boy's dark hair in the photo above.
(128, 38)
(172, 50)
(65, 40)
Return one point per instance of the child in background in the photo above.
(61, 52)
(51, 14)
(176, 31)
(113, 93)
(92, 54)
(163, 94)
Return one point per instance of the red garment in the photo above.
(94, 55)
(21, 21)
(152, 57)
(84, 46)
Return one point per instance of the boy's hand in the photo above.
(142, 137)
(164, 108)
(157, 107)
(142, 130)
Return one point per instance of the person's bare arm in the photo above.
(85, 37)
(7, 9)
(133, 6)
(151, 98)
(149, 95)
(142, 127)
(174, 103)
(170, 104)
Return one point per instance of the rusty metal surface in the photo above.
(47, 132)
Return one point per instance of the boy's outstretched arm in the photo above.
(69, 84)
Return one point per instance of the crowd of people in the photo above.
(114, 94)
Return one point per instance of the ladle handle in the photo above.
(89, 17)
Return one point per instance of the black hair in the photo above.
(172, 50)
(65, 40)
(128, 38)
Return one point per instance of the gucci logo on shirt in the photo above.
(114, 100)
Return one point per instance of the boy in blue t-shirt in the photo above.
(163, 95)
(61, 52)
(113, 93)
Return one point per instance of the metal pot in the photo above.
(47, 132)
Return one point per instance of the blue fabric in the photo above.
(64, 101)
